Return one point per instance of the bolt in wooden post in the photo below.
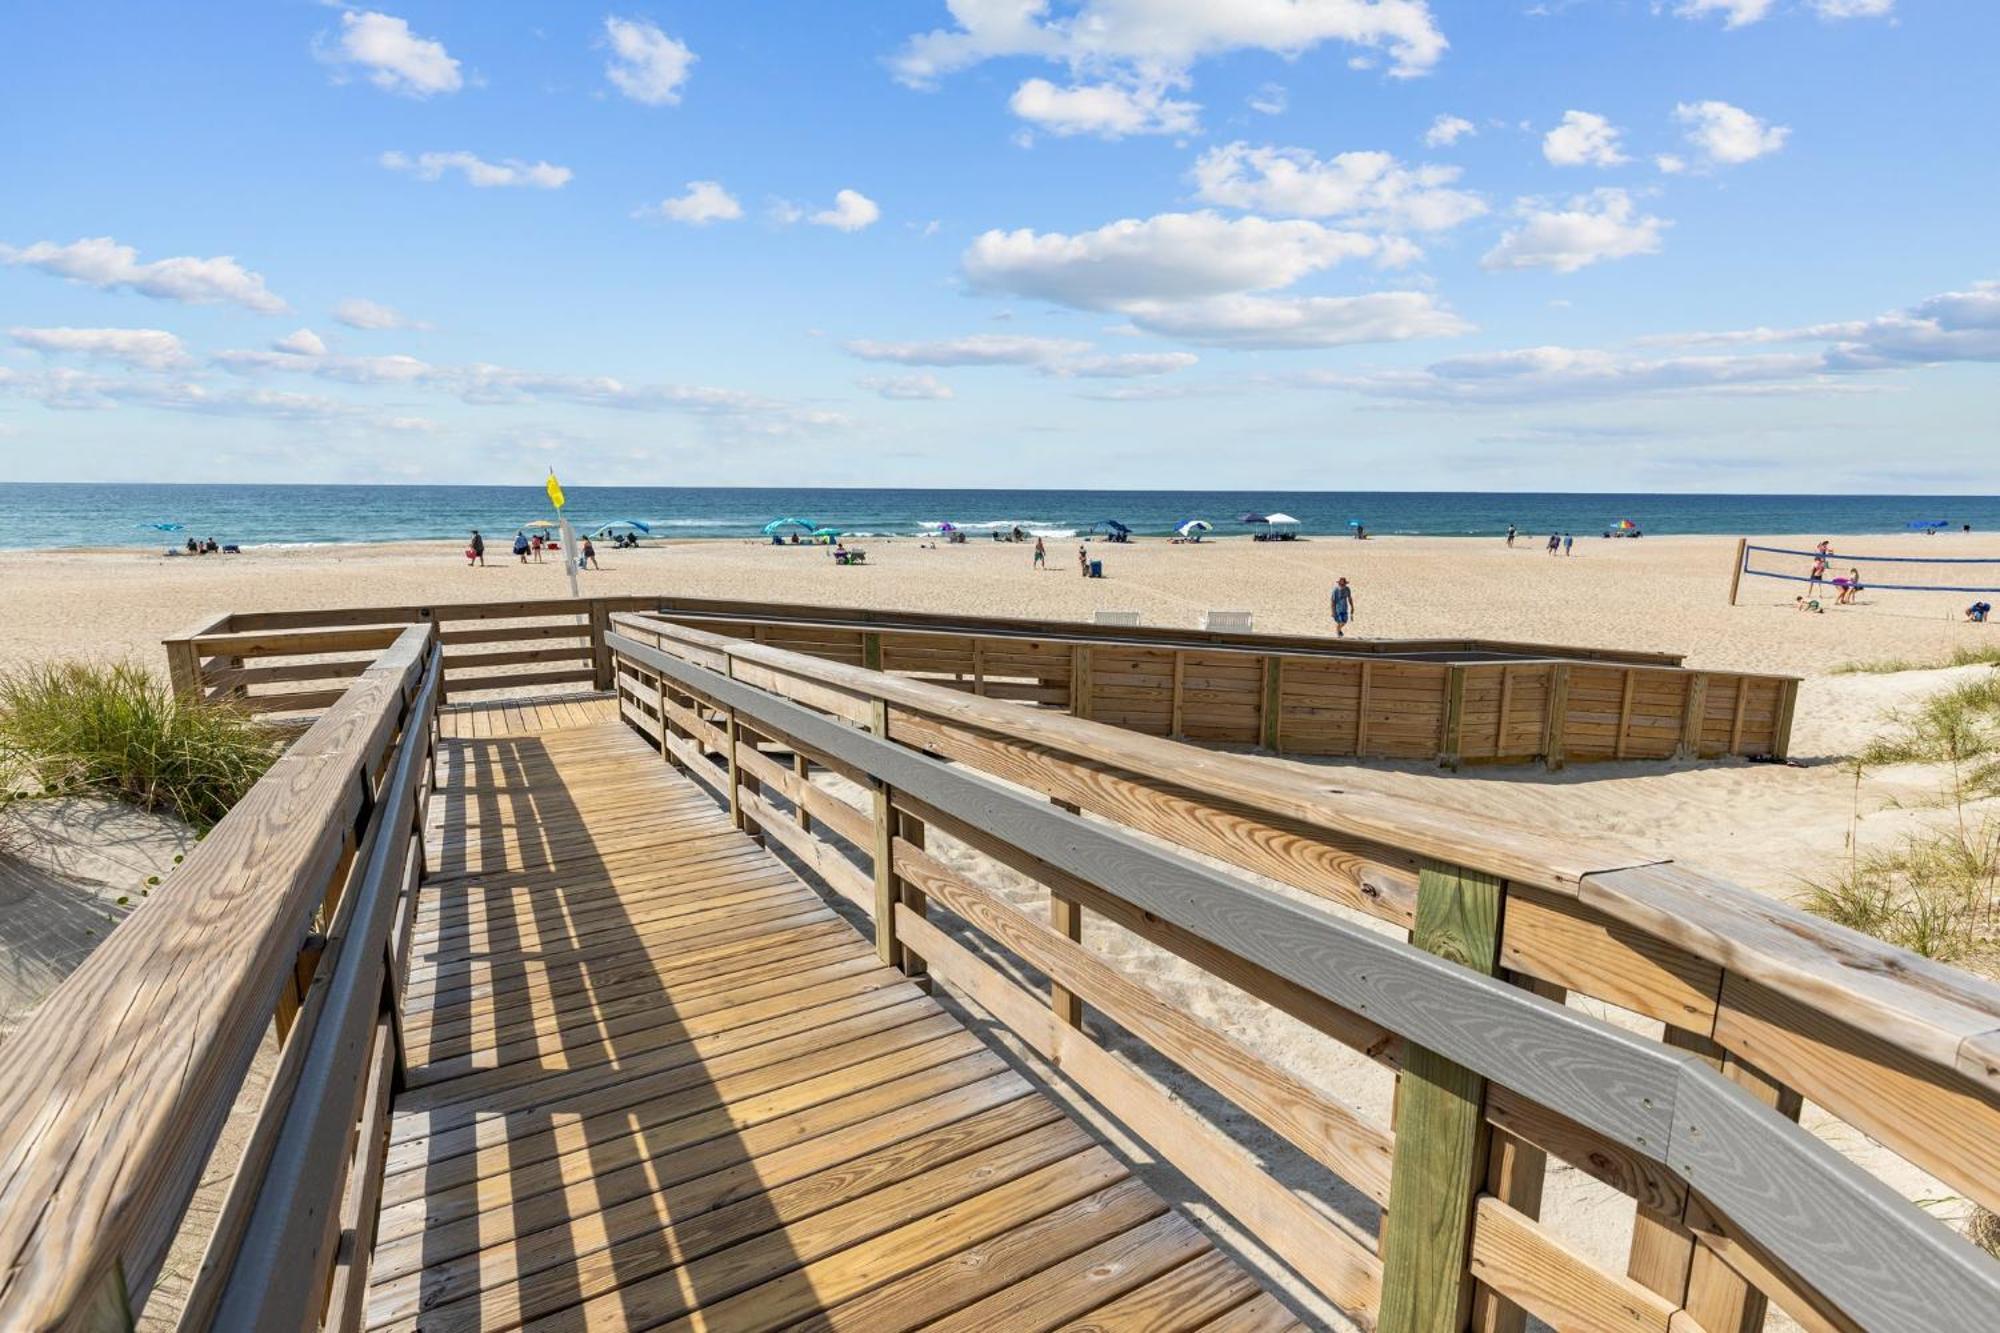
(1441, 1135)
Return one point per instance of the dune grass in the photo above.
(79, 728)
(1983, 655)
(1960, 727)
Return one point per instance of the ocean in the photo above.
(57, 515)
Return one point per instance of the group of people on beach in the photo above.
(528, 548)
(1560, 543)
(1816, 581)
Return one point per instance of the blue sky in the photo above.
(1327, 244)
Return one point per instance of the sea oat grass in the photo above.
(71, 728)
(1986, 654)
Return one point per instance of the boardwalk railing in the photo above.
(113, 1094)
(1460, 701)
(1479, 935)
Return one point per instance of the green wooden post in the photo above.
(1441, 1134)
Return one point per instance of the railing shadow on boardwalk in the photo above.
(571, 936)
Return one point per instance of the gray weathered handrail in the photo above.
(1876, 1257)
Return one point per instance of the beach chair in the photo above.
(1233, 621)
(1115, 618)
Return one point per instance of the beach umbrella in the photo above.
(1280, 518)
(1195, 525)
(1115, 525)
(164, 527)
(1915, 523)
(1252, 518)
(826, 532)
(615, 524)
(947, 527)
(1356, 523)
(540, 523)
(1625, 525)
(777, 524)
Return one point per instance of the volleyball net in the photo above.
(1874, 573)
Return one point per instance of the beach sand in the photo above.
(1770, 828)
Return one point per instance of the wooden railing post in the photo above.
(1066, 916)
(1558, 705)
(1691, 716)
(1079, 680)
(1441, 1136)
(871, 649)
(1516, 1172)
(1270, 730)
(1736, 572)
(1788, 702)
(1451, 740)
(600, 646)
(884, 815)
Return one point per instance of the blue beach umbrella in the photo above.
(778, 525)
(164, 527)
(826, 532)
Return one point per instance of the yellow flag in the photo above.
(555, 490)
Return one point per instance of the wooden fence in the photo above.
(113, 1093)
(1734, 1207)
(1454, 701)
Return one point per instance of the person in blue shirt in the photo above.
(1569, 540)
(1343, 607)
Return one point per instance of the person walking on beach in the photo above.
(1041, 555)
(1555, 542)
(1569, 540)
(1510, 536)
(1082, 561)
(1848, 587)
(1343, 607)
(535, 545)
(1818, 575)
(521, 547)
(476, 553)
(588, 560)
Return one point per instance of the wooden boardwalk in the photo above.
(656, 1082)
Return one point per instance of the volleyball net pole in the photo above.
(1736, 571)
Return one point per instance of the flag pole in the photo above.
(570, 554)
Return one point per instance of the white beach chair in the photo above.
(1234, 621)
(1116, 618)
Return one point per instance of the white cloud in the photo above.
(479, 172)
(150, 349)
(851, 211)
(912, 388)
(1107, 110)
(1584, 139)
(301, 342)
(1604, 224)
(1283, 322)
(1448, 130)
(646, 65)
(358, 313)
(1124, 365)
(395, 58)
(1852, 9)
(101, 262)
(1961, 326)
(979, 349)
(1735, 13)
(1670, 164)
(1171, 256)
(701, 203)
(1167, 35)
(1191, 276)
(1269, 100)
(1728, 135)
(1370, 189)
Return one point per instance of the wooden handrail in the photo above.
(1939, 1014)
(1878, 1259)
(113, 1092)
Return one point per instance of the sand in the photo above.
(1769, 828)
